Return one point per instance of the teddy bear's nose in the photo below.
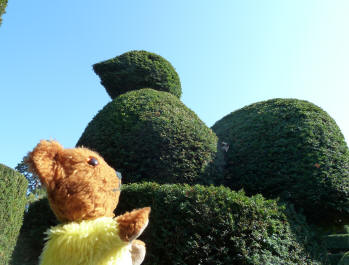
(118, 174)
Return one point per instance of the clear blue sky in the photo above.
(228, 54)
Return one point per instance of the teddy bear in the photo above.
(83, 191)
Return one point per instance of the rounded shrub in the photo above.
(13, 188)
(136, 70)
(291, 149)
(214, 225)
(151, 135)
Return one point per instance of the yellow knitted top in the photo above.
(94, 242)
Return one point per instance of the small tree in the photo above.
(35, 189)
(3, 4)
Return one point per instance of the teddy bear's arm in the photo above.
(137, 252)
(132, 224)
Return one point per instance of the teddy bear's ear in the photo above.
(43, 160)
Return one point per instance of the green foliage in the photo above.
(345, 259)
(34, 185)
(337, 242)
(288, 148)
(13, 187)
(198, 225)
(30, 243)
(333, 259)
(335, 229)
(135, 70)
(214, 225)
(3, 4)
(151, 135)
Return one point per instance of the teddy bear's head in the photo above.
(80, 185)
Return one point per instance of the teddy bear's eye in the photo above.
(93, 161)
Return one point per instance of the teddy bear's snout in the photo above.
(118, 174)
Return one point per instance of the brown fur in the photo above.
(78, 190)
(132, 224)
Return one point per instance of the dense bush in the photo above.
(13, 187)
(3, 4)
(288, 148)
(337, 242)
(198, 225)
(151, 135)
(37, 220)
(135, 70)
(344, 260)
(214, 225)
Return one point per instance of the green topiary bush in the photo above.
(13, 187)
(151, 135)
(37, 220)
(3, 4)
(198, 225)
(288, 148)
(136, 70)
(344, 260)
(337, 242)
(214, 225)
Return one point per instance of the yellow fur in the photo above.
(94, 242)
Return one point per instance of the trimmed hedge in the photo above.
(30, 243)
(151, 135)
(198, 225)
(337, 242)
(333, 259)
(3, 4)
(345, 259)
(214, 225)
(13, 188)
(288, 148)
(136, 70)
